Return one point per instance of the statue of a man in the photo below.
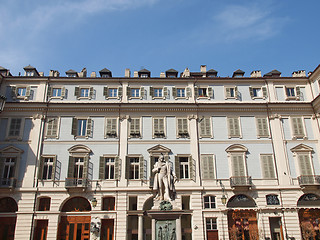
(164, 180)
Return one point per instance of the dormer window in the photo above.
(71, 73)
(171, 73)
(238, 73)
(105, 73)
(144, 73)
(30, 73)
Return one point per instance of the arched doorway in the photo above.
(8, 209)
(147, 228)
(74, 226)
(242, 219)
(309, 216)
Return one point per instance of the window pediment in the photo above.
(236, 148)
(80, 149)
(159, 149)
(11, 150)
(301, 148)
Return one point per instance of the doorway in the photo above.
(7, 227)
(107, 229)
(276, 228)
(41, 228)
(74, 228)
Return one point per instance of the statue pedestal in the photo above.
(158, 205)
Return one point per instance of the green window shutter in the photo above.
(63, 92)
(188, 90)
(298, 127)
(161, 125)
(191, 168)
(128, 92)
(127, 167)
(202, 128)
(228, 92)
(152, 163)
(106, 92)
(85, 167)
(231, 127)
(185, 124)
(40, 170)
(177, 166)
(305, 165)
(298, 91)
(268, 168)
(238, 169)
(71, 167)
(116, 168)
(91, 92)
(54, 168)
(165, 92)
(28, 91)
(251, 92)
(14, 92)
(236, 127)
(155, 126)
(207, 127)
(180, 125)
(142, 92)
(264, 92)
(141, 168)
(49, 92)
(196, 91)
(102, 166)
(77, 92)
(151, 92)
(210, 92)
(74, 126)
(120, 92)
(174, 92)
(236, 93)
(205, 167)
(262, 127)
(89, 127)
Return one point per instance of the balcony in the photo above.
(309, 180)
(8, 182)
(241, 181)
(77, 183)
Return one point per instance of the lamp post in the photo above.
(2, 102)
(223, 198)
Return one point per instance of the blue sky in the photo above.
(159, 35)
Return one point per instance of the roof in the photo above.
(239, 71)
(105, 70)
(2, 68)
(144, 71)
(70, 71)
(273, 72)
(171, 70)
(212, 71)
(29, 67)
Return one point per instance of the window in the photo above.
(181, 92)
(262, 127)
(290, 92)
(185, 201)
(108, 203)
(44, 204)
(158, 128)
(56, 92)
(159, 92)
(144, 75)
(272, 199)
(207, 165)
(268, 171)
(29, 73)
(52, 127)
(133, 203)
(135, 92)
(182, 128)
(201, 92)
(238, 165)
(205, 127)
(112, 92)
(82, 127)
(15, 127)
(211, 223)
(293, 93)
(258, 92)
(135, 167)
(135, 128)
(109, 167)
(297, 127)
(231, 92)
(84, 92)
(111, 127)
(8, 169)
(184, 167)
(46, 169)
(9, 165)
(21, 92)
(305, 166)
(209, 201)
(234, 127)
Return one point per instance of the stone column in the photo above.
(178, 228)
(140, 227)
(153, 227)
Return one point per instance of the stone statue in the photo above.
(164, 180)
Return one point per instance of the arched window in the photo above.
(8, 204)
(76, 204)
(241, 200)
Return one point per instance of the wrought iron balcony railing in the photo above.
(8, 182)
(309, 180)
(77, 182)
(241, 181)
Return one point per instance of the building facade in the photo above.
(77, 154)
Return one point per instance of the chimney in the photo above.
(51, 73)
(83, 73)
(127, 73)
(135, 74)
(300, 73)
(54, 73)
(162, 75)
(186, 73)
(41, 74)
(203, 68)
(93, 75)
(255, 74)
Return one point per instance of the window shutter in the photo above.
(102, 167)
(54, 168)
(106, 92)
(236, 127)
(205, 127)
(77, 92)
(90, 92)
(165, 92)
(74, 127)
(71, 167)
(192, 168)
(128, 92)
(188, 90)
(231, 127)
(152, 163)
(63, 92)
(268, 168)
(297, 124)
(2, 160)
(236, 93)
(155, 126)
(142, 92)
(196, 91)
(14, 92)
(238, 166)
(177, 166)
(141, 167)
(305, 165)
(264, 92)
(137, 125)
(28, 91)
(251, 92)
(161, 125)
(116, 168)
(174, 92)
(49, 92)
(205, 167)
(40, 170)
(151, 92)
(210, 92)
(120, 92)
(89, 127)
(85, 167)
(202, 128)
(262, 127)
(127, 167)
(298, 91)
(228, 92)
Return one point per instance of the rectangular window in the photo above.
(113, 92)
(231, 92)
(238, 166)
(260, 92)
(290, 92)
(207, 165)
(44, 204)
(8, 169)
(209, 201)
(234, 127)
(305, 165)
(205, 127)
(52, 127)
(15, 127)
(21, 91)
(268, 171)
(108, 204)
(158, 128)
(211, 223)
(82, 127)
(111, 127)
(134, 164)
(78, 167)
(135, 92)
(262, 127)
(56, 92)
(109, 167)
(182, 128)
(181, 92)
(203, 92)
(49, 168)
(297, 127)
(135, 128)
(157, 92)
(184, 167)
(84, 92)
(47, 173)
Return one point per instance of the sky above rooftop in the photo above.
(159, 35)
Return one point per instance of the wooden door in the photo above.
(41, 230)
(212, 235)
(107, 229)
(74, 228)
(7, 227)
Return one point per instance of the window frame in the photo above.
(264, 129)
(11, 152)
(235, 135)
(212, 223)
(209, 203)
(296, 92)
(134, 133)
(237, 150)
(15, 89)
(140, 89)
(108, 208)
(113, 133)
(77, 92)
(263, 170)
(106, 92)
(50, 92)
(187, 92)
(21, 130)
(79, 151)
(228, 90)
(141, 167)
(102, 167)
(303, 128)
(205, 167)
(42, 167)
(263, 89)
(204, 120)
(208, 92)
(75, 127)
(185, 131)
(162, 132)
(190, 167)
(57, 124)
(164, 91)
